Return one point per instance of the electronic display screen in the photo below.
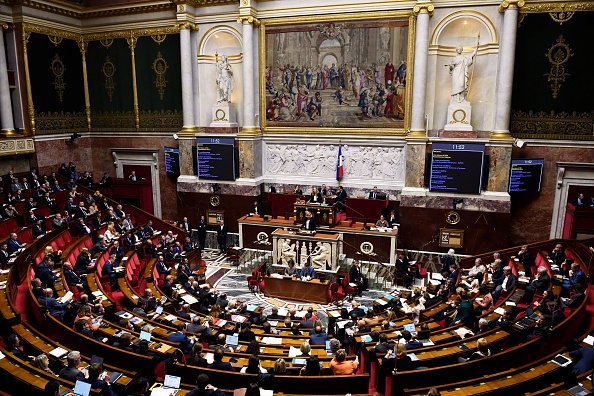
(216, 158)
(457, 167)
(526, 175)
(172, 160)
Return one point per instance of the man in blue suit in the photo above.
(51, 304)
(185, 343)
(585, 360)
(308, 271)
(14, 244)
(319, 337)
(162, 266)
(108, 270)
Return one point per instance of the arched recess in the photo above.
(223, 40)
(462, 28)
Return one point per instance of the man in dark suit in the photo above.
(72, 279)
(218, 363)
(580, 201)
(13, 344)
(402, 271)
(527, 260)
(108, 270)
(222, 301)
(37, 230)
(222, 236)
(83, 262)
(58, 221)
(167, 287)
(45, 275)
(14, 244)
(149, 230)
(310, 223)
(307, 322)
(99, 247)
(355, 310)
(319, 337)
(4, 256)
(30, 204)
(203, 388)
(52, 305)
(583, 360)
(373, 194)
(508, 283)
(162, 267)
(355, 276)
(118, 251)
(202, 232)
(558, 255)
(410, 342)
(185, 225)
(256, 208)
(383, 346)
(70, 205)
(341, 197)
(393, 218)
(540, 283)
(81, 211)
(576, 297)
(308, 271)
(71, 372)
(181, 337)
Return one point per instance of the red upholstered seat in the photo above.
(335, 293)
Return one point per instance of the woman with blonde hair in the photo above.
(280, 366)
(73, 193)
(215, 311)
(305, 349)
(110, 234)
(42, 362)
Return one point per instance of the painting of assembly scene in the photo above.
(342, 74)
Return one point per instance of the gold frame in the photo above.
(371, 16)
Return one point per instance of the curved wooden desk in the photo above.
(291, 289)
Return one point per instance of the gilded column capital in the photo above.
(4, 26)
(248, 20)
(187, 25)
(82, 45)
(423, 7)
(505, 4)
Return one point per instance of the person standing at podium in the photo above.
(310, 223)
(374, 193)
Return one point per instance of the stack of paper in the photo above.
(293, 352)
(271, 340)
(59, 352)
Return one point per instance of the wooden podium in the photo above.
(322, 213)
(315, 291)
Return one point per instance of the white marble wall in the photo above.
(308, 162)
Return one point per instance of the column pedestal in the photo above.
(458, 117)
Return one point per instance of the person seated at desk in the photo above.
(291, 270)
(308, 271)
(382, 222)
(374, 194)
(580, 201)
(393, 218)
(310, 223)
(341, 197)
(315, 197)
(297, 191)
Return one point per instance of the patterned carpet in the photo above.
(222, 275)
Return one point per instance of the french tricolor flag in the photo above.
(339, 165)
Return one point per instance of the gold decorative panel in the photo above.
(160, 68)
(544, 125)
(16, 146)
(60, 122)
(558, 55)
(58, 70)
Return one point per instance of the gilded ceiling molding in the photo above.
(557, 7)
(132, 33)
(50, 32)
(321, 18)
(422, 8)
(71, 10)
(203, 3)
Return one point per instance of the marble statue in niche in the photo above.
(224, 80)
(459, 70)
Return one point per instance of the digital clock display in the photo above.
(457, 167)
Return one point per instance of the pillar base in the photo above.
(223, 115)
(417, 133)
(249, 131)
(10, 133)
(188, 130)
(500, 135)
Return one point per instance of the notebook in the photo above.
(561, 360)
(82, 388)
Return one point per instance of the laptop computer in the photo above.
(423, 335)
(531, 314)
(81, 388)
(232, 340)
(579, 391)
(172, 383)
(328, 350)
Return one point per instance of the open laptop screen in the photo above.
(145, 335)
(82, 388)
(171, 381)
